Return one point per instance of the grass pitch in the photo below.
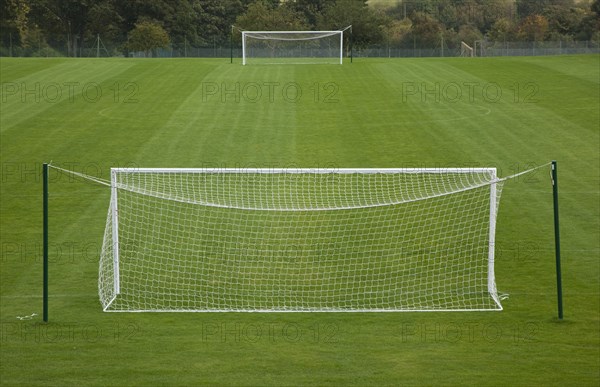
(92, 114)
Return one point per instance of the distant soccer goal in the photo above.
(466, 50)
(292, 47)
(282, 240)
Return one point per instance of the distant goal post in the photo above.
(294, 47)
(466, 50)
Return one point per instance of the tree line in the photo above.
(41, 27)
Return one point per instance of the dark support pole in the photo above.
(351, 44)
(557, 240)
(231, 45)
(45, 240)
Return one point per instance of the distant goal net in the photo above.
(292, 47)
(300, 240)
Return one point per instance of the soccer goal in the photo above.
(466, 50)
(300, 240)
(292, 47)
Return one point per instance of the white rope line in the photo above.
(524, 172)
(262, 36)
(82, 175)
(162, 195)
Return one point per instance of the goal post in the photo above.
(45, 261)
(292, 47)
(466, 50)
(114, 229)
(300, 240)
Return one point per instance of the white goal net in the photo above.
(298, 240)
(292, 47)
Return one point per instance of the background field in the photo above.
(92, 114)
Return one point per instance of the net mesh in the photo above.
(292, 47)
(199, 240)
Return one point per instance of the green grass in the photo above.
(372, 113)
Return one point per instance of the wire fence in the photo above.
(485, 49)
(480, 49)
(537, 48)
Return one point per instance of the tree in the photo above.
(398, 30)
(201, 22)
(423, 6)
(195, 22)
(165, 11)
(311, 9)
(67, 20)
(450, 15)
(231, 10)
(534, 27)
(502, 30)
(263, 16)
(105, 20)
(147, 36)
(589, 29)
(596, 8)
(471, 13)
(427, 31)
(469, 34)
(565, 22)
(69, 25)
(527, 8)
(14, 21)
(181, 22)
(367, 26)
(494, 10)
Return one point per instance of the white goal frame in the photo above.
(493, 206)
(466, 50)
(246, 33)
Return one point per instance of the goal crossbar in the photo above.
(272, 35)
(319, 171)
(306, 170)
